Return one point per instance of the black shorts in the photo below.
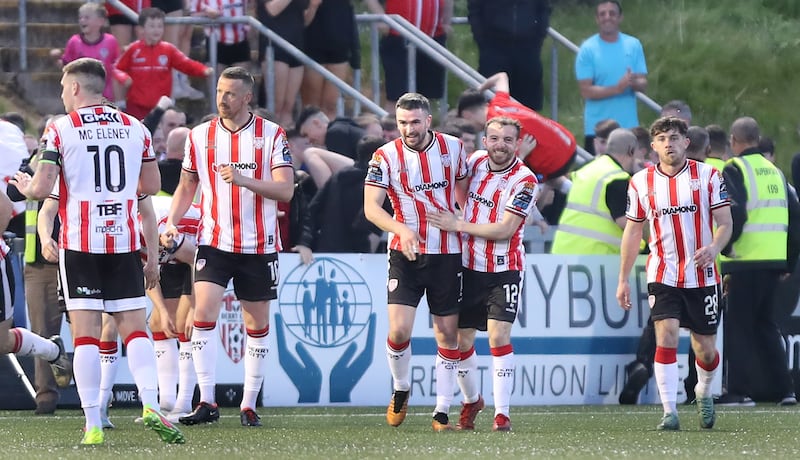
(120, 20)
(280, 54)
(231, 54)
(489, 296)
(696, 308)
(176, 280)
(101, 282)
(436, 275)
(255, 276)
(394, 58)
(6, 289)
(168, 6)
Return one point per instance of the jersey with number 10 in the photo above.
(100, 151)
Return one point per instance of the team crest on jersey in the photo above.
(200, 264)
(231, 327)
(503, 183)
(258, 143)
(694, 184)
(163, 59)
(446, 158)
(104, 53)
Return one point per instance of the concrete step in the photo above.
(41, 90)
(55, 11)
(39, 34)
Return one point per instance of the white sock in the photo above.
(26, 343)
(705, 377)
(86, 364)
(399, 357)
(142, 364)
(468, 376)
(166, 350)
(665, 370)
(109, 357)
(204, 353)
(187, 378)
(502, 378)
(255, 362)
(446, 376)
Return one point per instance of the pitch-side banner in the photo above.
(328, 335)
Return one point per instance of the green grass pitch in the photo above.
(362, 433)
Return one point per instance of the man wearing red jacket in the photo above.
(548, 148)
(149, 63)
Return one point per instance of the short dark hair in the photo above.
(150, 13)
(239, 73)
(307, 113)
(678, 106)
(616, 2)
(367, 146)
(717, 138)
(603, 128)
(91, 70)
(698, 140)
(15, 118)
(413, 101)
(642, 137)
(766, 145)
(665, 124)
(470, 99)
(463, 125)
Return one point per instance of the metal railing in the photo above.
(416, 41)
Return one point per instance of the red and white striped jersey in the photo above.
(491, 193)
(228, 33)
(236, 219)
(679, 209)
(419, 183)
(100, 151)
(189, 223)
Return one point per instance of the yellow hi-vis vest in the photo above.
(764, 234)
(586, 225)
(717, 163)
(31, 214)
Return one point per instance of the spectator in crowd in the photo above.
(295, 221)
(15, 152)
(610, 68)
(719, 147)
(149, 63)
(643, 147)
(594, 216)
(472, 106)
(179, 35)
(758, 257)
(677, 108)
(331, 40)
(697, 149)
(170, 166)
(94, 43)
(767, 148)
(602, 130)
(233, 47)
(389, 125)
(287, 19)
(464, 131)
(432, 18)
(122, 27)
(510, 35)
(338, 207)
(15, 118)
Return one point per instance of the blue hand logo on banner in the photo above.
(325, 305)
